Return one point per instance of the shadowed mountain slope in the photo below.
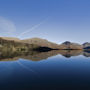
(41, 42)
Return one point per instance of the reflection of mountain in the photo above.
(37, 56)
(86, 53)
(41, 55)
(69, 53)
(32, 55)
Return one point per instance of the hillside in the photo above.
(11, 45)
(11, 38)
(41, 42)
(86, 45)
(70, 45)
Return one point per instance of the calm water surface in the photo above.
(53, 73)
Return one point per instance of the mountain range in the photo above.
(38, 42)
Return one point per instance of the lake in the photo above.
(54, 70)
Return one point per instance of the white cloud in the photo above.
(7, 27)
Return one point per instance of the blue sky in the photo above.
(55, 20)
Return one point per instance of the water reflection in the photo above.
(50, 74)
(37, 56)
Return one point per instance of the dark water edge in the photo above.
(46, 71)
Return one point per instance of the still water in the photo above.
(54, 70)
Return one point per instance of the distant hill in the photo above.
(69, 45)
(10, 38)
(41, 42)
(14, 45)
(86, 45)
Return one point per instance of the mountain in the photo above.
(12, 45)
(41, 42)
(11, 38)
(44, 43)
(86, 45)
(70, 46)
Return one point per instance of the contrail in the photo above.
(32, 28)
